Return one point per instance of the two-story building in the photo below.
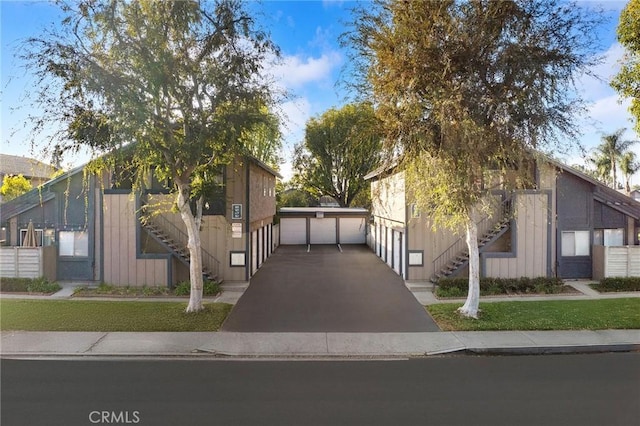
(112, 234)
(552, 228)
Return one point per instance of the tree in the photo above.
(602, 170)
(611, 151)
(629, 166)
(14, 186)
(340, 147)
(463, 87)
(264, 140)
(177, 82)
(627, 81)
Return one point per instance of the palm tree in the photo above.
(602, 170)
(612, 149)
(629, 166)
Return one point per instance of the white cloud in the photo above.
(596, 87)
(296, 71)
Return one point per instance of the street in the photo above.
(595, 389)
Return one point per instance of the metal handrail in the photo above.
(484, 225)
(182, 238)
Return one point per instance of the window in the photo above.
(575, 243)
(23, 235)
(74, 244)
(608, 237)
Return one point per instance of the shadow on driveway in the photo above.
(327, 291)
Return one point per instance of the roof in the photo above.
(311, 211)
(385, 168)
(602, 192)
(27, 167)
(263, 166)
(33, 198)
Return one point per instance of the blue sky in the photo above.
(307, 33)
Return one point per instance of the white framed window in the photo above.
(608, 237)
(74, 243)
(576, 243)
(39, 234)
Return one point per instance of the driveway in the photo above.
(326, 290)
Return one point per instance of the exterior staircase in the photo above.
(456, 257)
(175, 242)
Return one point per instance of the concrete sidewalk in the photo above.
(317, 344)
(313, 345)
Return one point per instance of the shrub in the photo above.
(183, 288)
(30, 285)
(42, 285)
(619, 284)
(457, 287)
(210, 288)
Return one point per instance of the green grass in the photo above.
(543, 315)
(75, 315)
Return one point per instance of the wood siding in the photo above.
(531, 251)
(389, 198)
(262, 197)
(121, 265)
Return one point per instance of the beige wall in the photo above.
(422, 236)
(121, 265)
(548, 182)
(532, 233)
(389, 198)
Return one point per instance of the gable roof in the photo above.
(33, 198)
(27, 167)
(602, 192)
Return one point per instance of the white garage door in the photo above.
(254, 252)
(397, 252)
(353, 230)
(323, 231)
(293, 231)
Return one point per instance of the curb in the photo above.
(204, 354)
(557, 350)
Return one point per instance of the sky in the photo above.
(307, 33)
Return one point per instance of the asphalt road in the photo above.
(326, 290)
(596, 389)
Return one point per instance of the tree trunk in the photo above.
(470, 307)
(195, 250)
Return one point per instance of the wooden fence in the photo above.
(616, 261)
(21, 262)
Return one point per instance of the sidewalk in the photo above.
(318, 345)
(311, 345)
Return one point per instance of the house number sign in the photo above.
(236, 211)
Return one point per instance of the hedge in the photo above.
(458, 287)
(28, 285)
(618, 284)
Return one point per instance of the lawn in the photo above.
(73, 315)
(543, 315)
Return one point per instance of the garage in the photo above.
(293, 231)
(322, 230)
(323, 225)
(353, 230)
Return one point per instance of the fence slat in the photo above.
(21, 262)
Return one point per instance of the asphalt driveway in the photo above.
(326, 290)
